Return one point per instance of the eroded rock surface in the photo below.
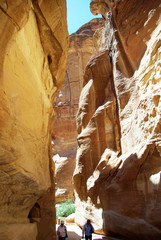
(81, 47)
(32, 68)
(117, 174)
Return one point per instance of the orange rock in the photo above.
(117, 174)
(32, 66)
(81, 47)
(70, 218)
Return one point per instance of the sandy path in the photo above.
(75, 233)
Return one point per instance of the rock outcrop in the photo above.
(81, 47)
(32, 68)
(118, 166)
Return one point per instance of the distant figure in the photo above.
(62, 231)
(88, 230)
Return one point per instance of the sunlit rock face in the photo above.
(32, 68)
(118, 165)
(81, 47)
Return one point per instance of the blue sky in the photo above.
(78, 13)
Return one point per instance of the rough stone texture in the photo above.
(32, 68)
(18, 231)
(81, 47)
(118, 165)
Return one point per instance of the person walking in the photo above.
(88, 230)
(62, 231)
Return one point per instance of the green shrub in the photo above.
(65, 209)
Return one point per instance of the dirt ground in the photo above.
(75, 233)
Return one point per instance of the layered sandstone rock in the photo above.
(32, 68)
(117, 175)
(81, 47)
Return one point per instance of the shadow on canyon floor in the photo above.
(75, 233)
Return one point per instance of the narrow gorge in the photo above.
(80, 118)
(81, 48)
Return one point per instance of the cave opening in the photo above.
(35, 213)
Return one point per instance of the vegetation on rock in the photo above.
(65, 209)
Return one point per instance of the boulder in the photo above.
(70, 218)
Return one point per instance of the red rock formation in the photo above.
(33, 54)
(118, 166)
(81, 47)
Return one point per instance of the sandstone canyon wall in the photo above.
(32, 68)
(81, 47)
(118, 164)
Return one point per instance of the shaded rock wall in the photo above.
(117, 174)
(81, 47)
(32, 68)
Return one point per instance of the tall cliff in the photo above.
(32, 68)
(117, 175)
(81, 47)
